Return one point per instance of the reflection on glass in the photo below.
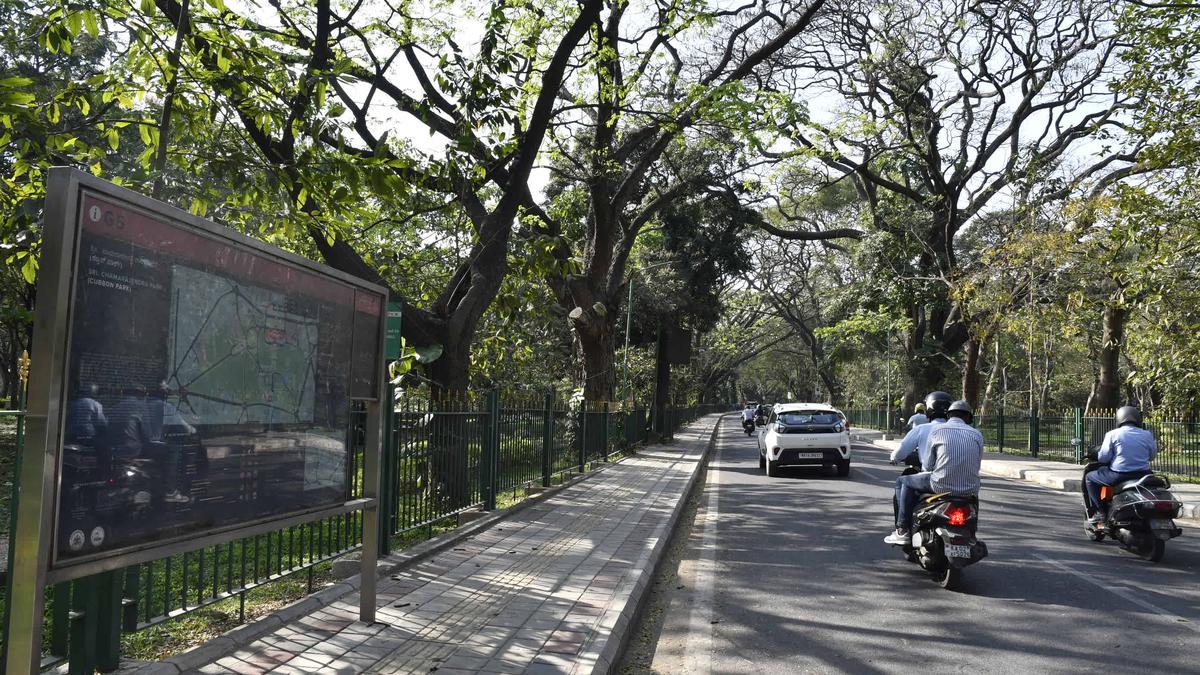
(210, 386)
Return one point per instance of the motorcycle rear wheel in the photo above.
(1093, 533)
(1153, 550)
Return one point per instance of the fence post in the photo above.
(1079, 435)
(604, 430)
(84, 604)
(582, 434)
(1000, 431)
(547, 437)
(108, 621)
(1034, 433)
(491, 450)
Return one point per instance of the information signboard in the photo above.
(207, 381)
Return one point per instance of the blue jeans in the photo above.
(908, 492)
(1106, 476)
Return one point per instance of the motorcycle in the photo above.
(748, 427)
(99, 493)
(943, 533)
(1141, 512)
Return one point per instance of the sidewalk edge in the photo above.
(605, 651)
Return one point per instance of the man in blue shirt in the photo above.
(918, 418)
(1126, 452)
(908, 487)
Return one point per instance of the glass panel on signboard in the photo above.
(208, 385)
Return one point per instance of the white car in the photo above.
(804, 434)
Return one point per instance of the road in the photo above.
(790, 575)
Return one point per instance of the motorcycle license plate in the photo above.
(809, 455)
(1160, 524)
(956, 551)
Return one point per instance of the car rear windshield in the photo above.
(816, 417)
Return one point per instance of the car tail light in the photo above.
(957, 514)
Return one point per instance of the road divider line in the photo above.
(1124, 595)
(698, 649)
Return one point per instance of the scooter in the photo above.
(943, 533)
(1141, 512)
(98, 493)
(748, 426)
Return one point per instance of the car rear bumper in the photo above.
(808, 456)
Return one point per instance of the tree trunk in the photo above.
(970, 374)
(985, 404)
(595, 335)
(662, 382)
(449, 437)
(1108, 389)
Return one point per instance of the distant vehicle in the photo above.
(804, 434)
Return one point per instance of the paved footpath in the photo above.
(552, 589)
(1055, 475)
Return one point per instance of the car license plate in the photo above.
(956, 551)
(809, 455)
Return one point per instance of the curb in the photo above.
(616, 624)
(234, 639)
(1062, 480)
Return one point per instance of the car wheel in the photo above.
(843, 468)
(772, 468)
(762, 461)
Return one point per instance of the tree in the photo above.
(657, 124)
(948, 104)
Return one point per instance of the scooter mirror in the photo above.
(1076, 442)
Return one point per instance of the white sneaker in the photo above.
(899, 538)
(176, 497)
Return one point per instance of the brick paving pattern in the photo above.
(540, 592)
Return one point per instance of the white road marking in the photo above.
(1124, 595)
(697, 652)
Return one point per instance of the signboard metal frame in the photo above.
(30, 557)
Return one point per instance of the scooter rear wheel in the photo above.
(947, 577)
(1152, 550)
(1093, 533)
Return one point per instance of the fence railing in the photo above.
(1048, 435)
(439, 458)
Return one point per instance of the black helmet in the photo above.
(961, 410)
(1128, 414)
(937, 403)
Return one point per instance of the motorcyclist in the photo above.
(749, 412)
(1126, 453)
(936, 405)
(918, 417)
(952, 462)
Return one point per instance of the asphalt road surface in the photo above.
(791, 575)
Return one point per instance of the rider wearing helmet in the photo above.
(918, 418)
(937, 403)
(1126, 453)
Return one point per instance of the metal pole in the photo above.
(628, 323)
(370, 520)
(547, 437)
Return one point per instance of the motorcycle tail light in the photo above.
(1164, 506)
(957, 515)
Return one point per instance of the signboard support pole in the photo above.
(108, 620)
(370, 524)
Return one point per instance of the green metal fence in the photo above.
(439, 458)
(1048, 435)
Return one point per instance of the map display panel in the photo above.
(208, 384)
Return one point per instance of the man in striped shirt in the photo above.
(956, 452)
